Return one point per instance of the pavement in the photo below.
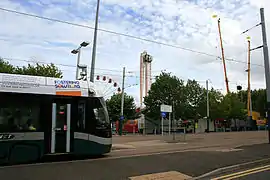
(137, 144)
(176, 165)
(196, 138)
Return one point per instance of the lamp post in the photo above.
(78, 51)
(249, 102)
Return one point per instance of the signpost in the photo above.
(164, 109)
(163, 114)
(122, 118)
(120, 126)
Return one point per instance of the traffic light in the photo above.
(115, 84)
(98, 77)
(110, 80)
(104, 78)
(119, 89)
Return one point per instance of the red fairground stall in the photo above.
(130, 126)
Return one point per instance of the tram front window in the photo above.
(99, 111)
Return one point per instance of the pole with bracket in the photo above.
(122, 103)
(266, 66)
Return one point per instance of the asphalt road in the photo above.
(265, 175)
(117, 168)
(256, 172)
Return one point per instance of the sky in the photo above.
(178, 25)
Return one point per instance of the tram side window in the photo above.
(19, 118)
(81, 117)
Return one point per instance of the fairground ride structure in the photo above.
(145, 75)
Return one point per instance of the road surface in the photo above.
(258, 173)
(265, 175)
(180, 164)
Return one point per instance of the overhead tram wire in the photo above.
(217, 58)
(133, 71)
(117, 33)
(106, 73)
(101, 69)
(59, 64)
(71, 66)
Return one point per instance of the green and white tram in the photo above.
(42, 116)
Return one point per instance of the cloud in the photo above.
(185, 24)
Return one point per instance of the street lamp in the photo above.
(84, 44)
(74, 51)
(78, 51)
(249, 102)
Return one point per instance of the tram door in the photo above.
(61, 125)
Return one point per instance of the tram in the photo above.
(43, 116)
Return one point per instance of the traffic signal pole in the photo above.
(207, 105)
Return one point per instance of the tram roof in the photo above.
(47, 85)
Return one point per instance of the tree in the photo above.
(114, 107)
(5, 67)
(232, 107)
(49, 70)
(215, 98)
(166, 89)
(195, 96)
(258, 98)
(190, 100)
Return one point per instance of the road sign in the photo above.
(166, 108)
(122, 118)
(163, 114)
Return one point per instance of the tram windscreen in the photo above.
(99, 111)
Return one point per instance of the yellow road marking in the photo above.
(245, 174)
(241, 172)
